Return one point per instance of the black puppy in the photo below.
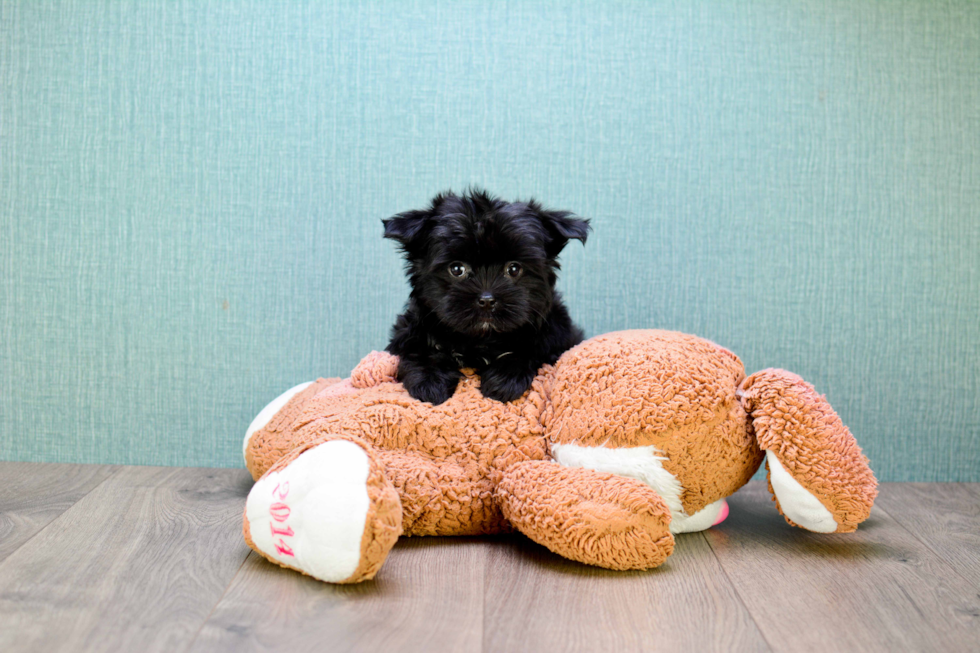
(482, 273)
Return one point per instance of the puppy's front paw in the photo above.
(434, 387)
(504, 385)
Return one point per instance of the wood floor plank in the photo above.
(428, 597)
(32, 495)
(538, 601)
(946, 516)
(136, 565)
(879, 589)
(151, 559)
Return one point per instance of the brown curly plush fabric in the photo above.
(473, 465)
(661, 388)
(439, 458)
(593, 517)
(276, 437)
(374, 369)
(797, 424)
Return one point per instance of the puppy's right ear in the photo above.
(407, 228)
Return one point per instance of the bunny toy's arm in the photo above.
(592, 517)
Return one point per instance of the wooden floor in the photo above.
(152, 559)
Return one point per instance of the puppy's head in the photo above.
(483, 265)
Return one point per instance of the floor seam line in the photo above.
(112, 473)
(221, 598)
(738, 595)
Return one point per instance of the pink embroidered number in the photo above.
(280, 513)
(288, 531)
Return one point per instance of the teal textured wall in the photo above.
(191, 195)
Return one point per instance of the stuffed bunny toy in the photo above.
(629, 438)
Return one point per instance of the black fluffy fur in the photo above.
(521, 324)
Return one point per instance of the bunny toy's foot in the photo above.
(327, 511)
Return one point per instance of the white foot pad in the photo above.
(796, 501)
(702, 520)
(270, 411)
(311, 515)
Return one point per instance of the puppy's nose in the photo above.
(486, 301)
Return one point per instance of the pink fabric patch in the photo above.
(722, 514)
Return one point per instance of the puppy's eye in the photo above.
(514, 270)
(459, 270)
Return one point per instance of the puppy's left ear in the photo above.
(562, 226)
(407, 228)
